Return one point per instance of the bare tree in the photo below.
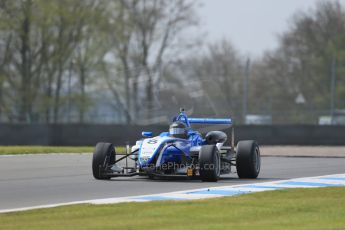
(40, 39)
(211, 80)
(303, 61)
(20, 55)
(50, 47)
(149, 30)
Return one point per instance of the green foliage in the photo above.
(58, 49)
(41, 40)
(57, 56)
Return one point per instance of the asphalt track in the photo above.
(31, 180)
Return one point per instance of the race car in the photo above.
(181, 152)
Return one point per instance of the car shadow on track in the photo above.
(222, 180)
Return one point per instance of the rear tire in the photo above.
(103, 156)
(248, 161)
(209, 162)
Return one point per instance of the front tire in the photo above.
(209, 162)
(103, 156)
(248, 160)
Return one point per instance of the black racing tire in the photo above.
(209, 163)
(248, 160)
(103, 156)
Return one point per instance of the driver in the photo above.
(178, 129)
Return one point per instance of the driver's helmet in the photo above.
(178, 129)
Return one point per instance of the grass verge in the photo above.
(11, 150)
(317, 208)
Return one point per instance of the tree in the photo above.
(142, 38)
(211, 80)
(302, 63)
(20, 55)
(40, 40)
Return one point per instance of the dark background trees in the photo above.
(132, 62)
(303, 63)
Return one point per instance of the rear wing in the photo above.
(211, 121)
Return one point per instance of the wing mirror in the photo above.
(147, 134)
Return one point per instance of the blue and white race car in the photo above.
(181, 152)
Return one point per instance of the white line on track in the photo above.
(210, 192)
